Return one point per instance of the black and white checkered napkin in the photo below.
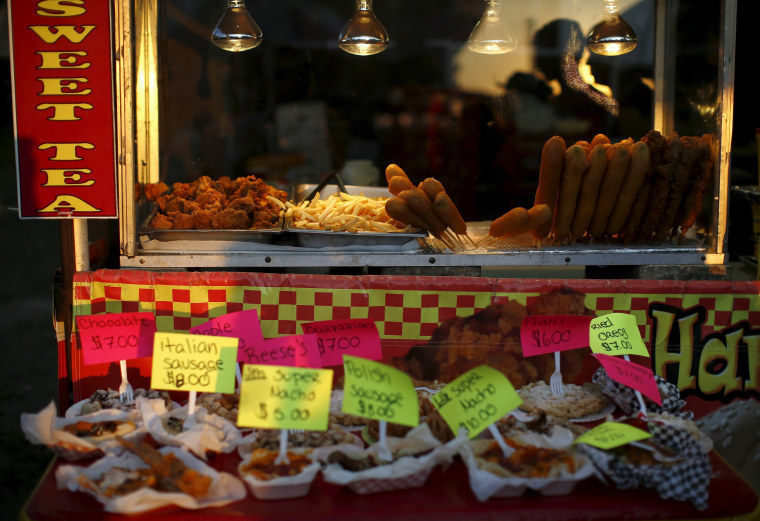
(625, 397)
(687, 479)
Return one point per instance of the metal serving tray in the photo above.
(334, 240)
(207, 240)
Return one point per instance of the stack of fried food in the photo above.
(244, 203)
(636, 191)
(426, 206)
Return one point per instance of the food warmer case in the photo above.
(296, 108)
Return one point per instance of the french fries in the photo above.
(343, 213)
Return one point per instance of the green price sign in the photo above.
(183, 362)
(616, 334)
(609, 435)
(279, 397)
(476, 399)
(380, 392)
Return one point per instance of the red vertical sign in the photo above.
(63, 108)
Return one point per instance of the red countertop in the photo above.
(445, 497)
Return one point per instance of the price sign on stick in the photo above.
(292, 350)
(280, 397)
(609, 435)
(116, 336)
(476, 399)
(183, 362)
(380, 392)
(542, 334)
(616, 334)
(243, 325)
(355, 337)
(632, 375)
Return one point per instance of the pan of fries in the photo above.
(333, 218)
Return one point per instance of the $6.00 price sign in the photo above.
(281, 397)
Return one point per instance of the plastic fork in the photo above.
(126, 393)
(555, 382)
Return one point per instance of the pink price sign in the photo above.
(290, 351)
(542, 334)
(243, 325)
(631, 375)
(335, 338)
(116, 336)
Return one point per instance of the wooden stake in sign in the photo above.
(476, 400)
(280, 397)
(183, 362)
(617, 334)
(380, 392)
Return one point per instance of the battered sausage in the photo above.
(447, 212)
(589, 191)
(394, 170)
(398, 184)
(574, 167)
(617, 165)
(638, 166)
(550, 172)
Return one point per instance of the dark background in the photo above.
(31, 253)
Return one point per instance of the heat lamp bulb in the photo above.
(612, 36)
(492, 34)
(363, 35)
(236, 30)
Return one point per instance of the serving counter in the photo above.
(445, 497)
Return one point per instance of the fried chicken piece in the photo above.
(161, 222)
(153, 190)
(202, 219)
(561, 301)
(184, 190)
(181, 221)
(209, 197)
(246, 204)
(172, 204)
(231, 219)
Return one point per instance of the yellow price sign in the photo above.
(616, 334)
(183, 362)
(380, 392)
(280, 397)
(609, 435)
(476, 399)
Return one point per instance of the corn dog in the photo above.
(519, 220)
(575, 165)
(550, 171)
(638, 165)
(447, 212)
(399, 184)
(421, 204)
(599, 139)
(617, 164)
(432, 187)
(589, 191)
(396, 208)
(394, 170)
